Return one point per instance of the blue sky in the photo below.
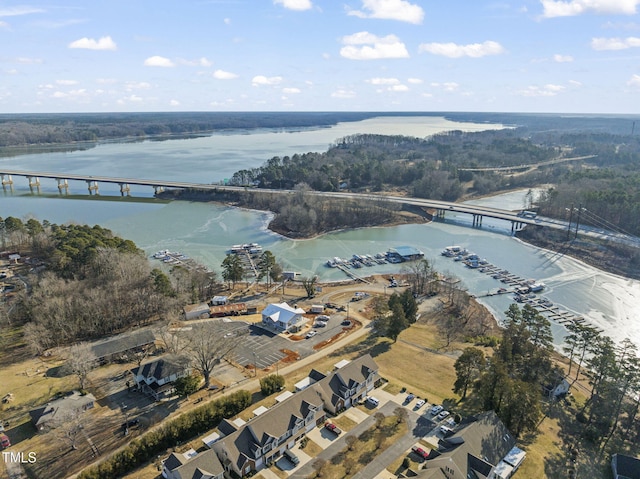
(579, 56)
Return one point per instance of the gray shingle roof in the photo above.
(162, 368)
(201, 465)
(122, 343)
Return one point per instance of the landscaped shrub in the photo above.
(156, 442)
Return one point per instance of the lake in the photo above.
(205, 231)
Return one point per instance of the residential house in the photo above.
(61, 410)
(155, 377)
(481, 447)
(123, 346)
(282, 317)
(625, 467)
(348, 384)
(249, 447)
(204, 465)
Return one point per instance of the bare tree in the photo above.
(351, 442)
(319, 465)
(68, 426)
(80, 362)
(207, 344)
(401, 414)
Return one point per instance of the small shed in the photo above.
(219, 300)
(316, 309)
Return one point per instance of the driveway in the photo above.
(418, 427)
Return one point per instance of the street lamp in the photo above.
(255, 364)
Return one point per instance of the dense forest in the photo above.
(605, 185)
(52, 129)
(88, 283)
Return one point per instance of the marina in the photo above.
(525, 291)
(396, 255)
(176, 258)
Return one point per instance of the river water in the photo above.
(205, 231)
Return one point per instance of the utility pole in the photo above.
(578, 220)
(570, 218)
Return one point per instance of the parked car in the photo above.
(372, 401)
(420, 452)
(419, 404)
(410, 397)
(445, 430)
(291, 457)
(436, 409)
(451, 422)
(4, 441)
(319, 324)
(443, 414)
(311, 334)
(333, 428)
(322, 317)
(131, 423)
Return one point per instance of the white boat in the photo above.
(535, 287)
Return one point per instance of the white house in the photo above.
(282, 317)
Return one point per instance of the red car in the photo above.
(4, 441)
(420, 452)
(333, 428)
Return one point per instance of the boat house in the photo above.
(405, 253)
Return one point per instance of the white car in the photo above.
(436, 409)
(443, 414)
(451, 422)
(311, 334)
(444, 430)
(419, 404)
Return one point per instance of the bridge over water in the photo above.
(441, 207)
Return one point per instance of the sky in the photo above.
(557, 56)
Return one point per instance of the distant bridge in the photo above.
(530, 166)
(440, 207)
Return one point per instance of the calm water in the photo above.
(205, 231)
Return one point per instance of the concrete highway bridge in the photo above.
(440, 207)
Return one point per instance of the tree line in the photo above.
(515, 379)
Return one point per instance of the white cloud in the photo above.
(137, 85)
(453, 50)
(634, 82)
(223, 75)
(390, 10)
(544, 91)
(366, 46)
(383, 81)
(342, 93)
(575, 83)
(3, 24)
(415, 81)
(104, 43)
(446, 86)
(227, 21)
(290, 91)
(200, 62)
(398, 88)
(80, 93)
(562, 58)
(158, 61)
(558, 8)
(263, 80)
(614, 43)
(298, 5)
(174, 103)
(20, 10)
(66, 82)
(29, 61)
